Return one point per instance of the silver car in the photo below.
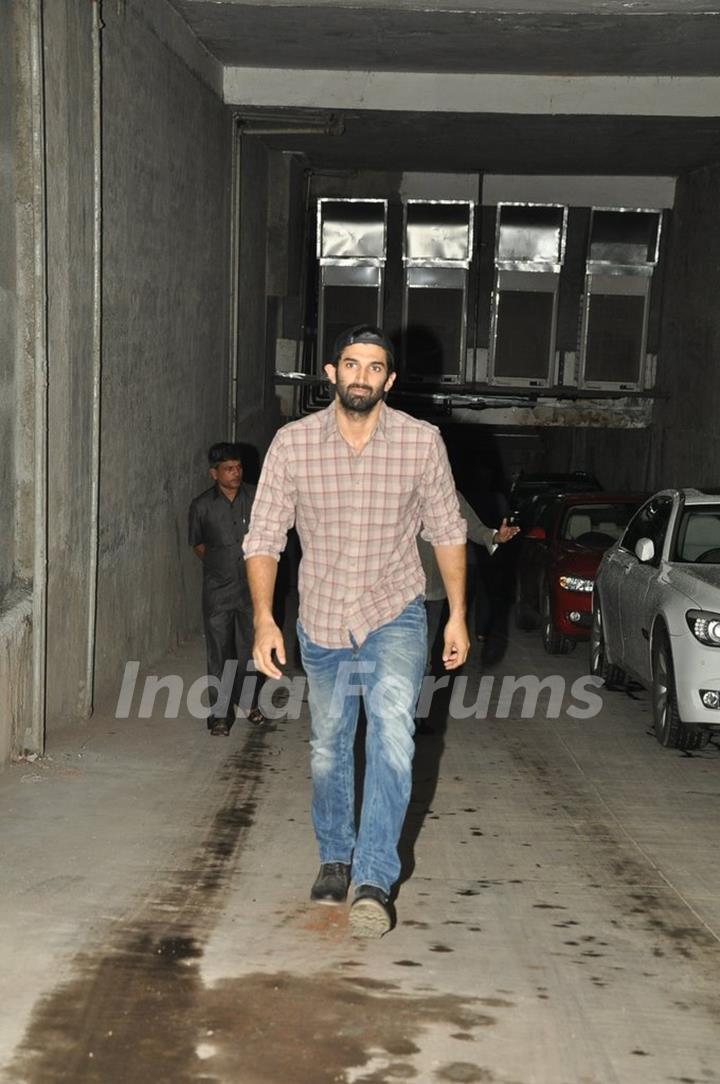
(656, 613)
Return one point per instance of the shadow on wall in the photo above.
(250, 462)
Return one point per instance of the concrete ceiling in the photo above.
(585, 38)
(391, 38)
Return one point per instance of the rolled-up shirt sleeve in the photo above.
(442, 524)
(273, 510)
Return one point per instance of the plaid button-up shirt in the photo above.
(357, 515)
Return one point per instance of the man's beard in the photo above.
(358, 404)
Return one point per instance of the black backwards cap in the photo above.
(364, 333)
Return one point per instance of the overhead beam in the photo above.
(580, 191)
(647, 96)
(499, 7)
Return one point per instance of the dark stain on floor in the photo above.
(137, 1009)
(464, 1072)
(129, 1002)
(148, 1017)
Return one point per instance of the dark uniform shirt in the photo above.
(220, 525)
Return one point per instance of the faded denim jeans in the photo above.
(387, 671)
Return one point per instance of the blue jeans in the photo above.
(387, 670)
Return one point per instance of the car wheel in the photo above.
(553, 641)
(670, 730)
(599, 665)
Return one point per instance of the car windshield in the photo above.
(596, 525)
(698, 537)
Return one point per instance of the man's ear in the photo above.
(390, 381)
(331, 372)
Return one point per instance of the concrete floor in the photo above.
(560, 923)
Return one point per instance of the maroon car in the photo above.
(558, 560)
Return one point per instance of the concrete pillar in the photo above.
(69, 49)
(22, 377)
(689, 357)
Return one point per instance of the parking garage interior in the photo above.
(193, 195)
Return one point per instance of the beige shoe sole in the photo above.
(368, 918)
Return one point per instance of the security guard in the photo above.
(218, 521)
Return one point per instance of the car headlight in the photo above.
(704, 626)
(576, 583)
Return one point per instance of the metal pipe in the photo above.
(287, 131)
(305, 257)
(479, 239)
(332, 128)
(97, 315)
(235, 210)
(34, 735)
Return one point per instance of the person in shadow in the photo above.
(487, 539)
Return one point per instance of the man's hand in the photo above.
(268, 638)
(457, 643)
(505, 532)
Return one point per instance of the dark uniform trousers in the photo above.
(229, 636)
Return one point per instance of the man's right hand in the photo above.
(268, 638)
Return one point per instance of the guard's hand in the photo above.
(457, 643)
(505, 532)
(268, 638)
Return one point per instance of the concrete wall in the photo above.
(686, 416)
(15, 671)
(165, 373)
(68, 29)
(17, 375)
(8, 300)
(12, 625)
(166, 163)
(621, 459)
(18, 193)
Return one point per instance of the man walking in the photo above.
(218, 522)
(359, 480)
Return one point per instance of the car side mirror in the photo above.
(537, 533)
(644, 550)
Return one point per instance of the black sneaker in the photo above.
(331, 884)
(370, 914)
(218, 727)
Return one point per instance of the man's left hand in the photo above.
(505, 532)
(457, 643)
